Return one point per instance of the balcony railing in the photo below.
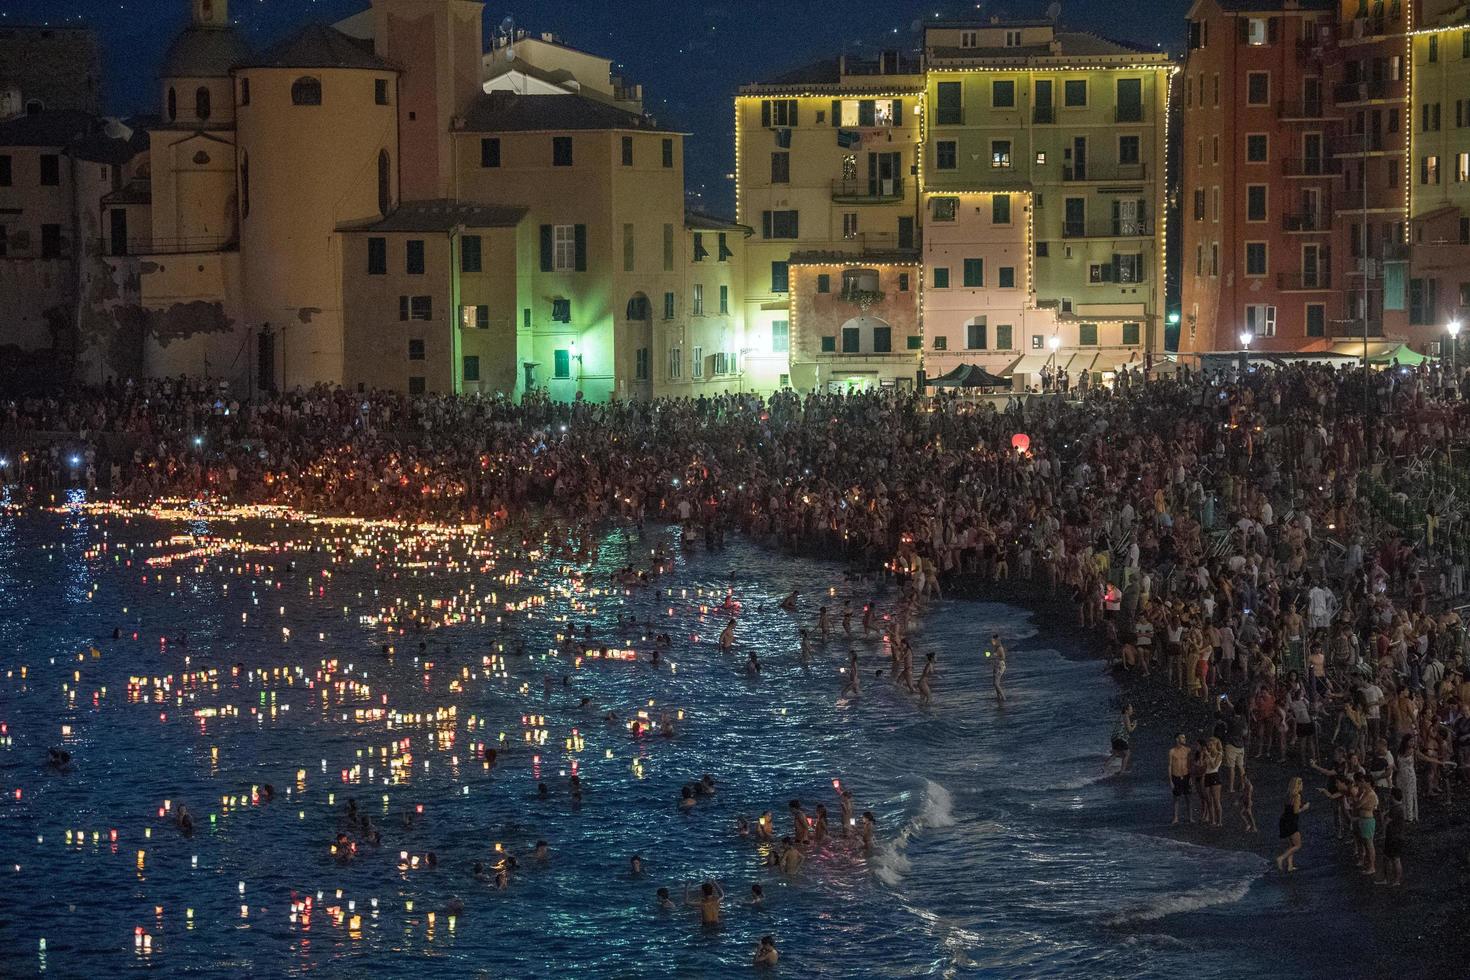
(1368, 27)
(859, 190)
(870, 242)
(1105, 171)
(119, 248)
(1367, 90)
(1311, 167)
(1312, 109)
(1320, 220)
(1301, 282)
(1108, 228)
(1351, 144)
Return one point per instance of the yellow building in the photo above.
(1439, 174)
(707, 351)
(825, 169)
(1080, 124)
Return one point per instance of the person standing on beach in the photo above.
(998, 656)
(1365, 809)
(1122, 741)
(1290, 825)
(1179, 775)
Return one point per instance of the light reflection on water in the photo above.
(984, 867)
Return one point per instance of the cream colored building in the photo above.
(825, 166)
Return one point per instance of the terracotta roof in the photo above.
(319, 46)
(504, 112)
(204, 52)
(444, 214)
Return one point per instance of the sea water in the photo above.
(1000, 851)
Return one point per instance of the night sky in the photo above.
(689, 55)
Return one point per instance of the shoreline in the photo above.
(1418, 932)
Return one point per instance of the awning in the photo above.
(968, 376)
(1081, 361)
(1133, 359)
(1028, 364)
(1380, 351)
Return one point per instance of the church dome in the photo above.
(204, 52)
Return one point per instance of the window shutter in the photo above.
(766, 113)
(581, 233)
(898, 112)
(791, 116)
(1272, 25)
(765, 224)
(546, 248)
(836, 112)
(1245, 29)
(1117, 260)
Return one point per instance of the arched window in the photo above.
(244, 185)
(385, 182)
(306, 91)
(34, 107)
(201, 103)
(173, 104)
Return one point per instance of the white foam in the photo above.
(890, 861)
(1187, 901)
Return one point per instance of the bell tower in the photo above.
(210, 13)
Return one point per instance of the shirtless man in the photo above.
(1179, 775)
(824, 623)
(1365, 809)
(765, 953)
(925, 695)
(799, 826)
(804, 652)
(727, 636)
(791, 857)
(998, 655)
(708, 902)
(789, 603)
(844, 802)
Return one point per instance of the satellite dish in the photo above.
(1054, 11)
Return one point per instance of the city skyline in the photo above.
(690, 89)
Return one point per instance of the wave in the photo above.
(1187, 901)
(890, 862)
(1077, 782)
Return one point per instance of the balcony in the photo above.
(1367, 28)
(1374, 90)
(1308, 221)
(1354, 144)
(861, 191)
(1141, 227)
(1302, 110)
(1311, 167)
(120, 248)
(1105, 171)
(875, 243)
(1043, 115)
(1301, 282)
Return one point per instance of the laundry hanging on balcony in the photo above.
(847, 138)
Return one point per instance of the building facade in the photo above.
(1075, 127)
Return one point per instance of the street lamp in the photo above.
(1454, 331)
(1245, 353)
(1054, 342)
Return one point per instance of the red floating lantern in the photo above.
(1021, 442)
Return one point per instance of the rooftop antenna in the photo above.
(507, 30)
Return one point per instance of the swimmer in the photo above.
(867, 831)
(752, 665)
(635, 866)
(763, 829)
(757, 896)
(742, 827)
(766, 953)
(479, 871)
(431, 860)
(799, 826)
(844, 802)
(925, 695)
(663, 902)
(791, 857)
(706, 785)
(542, 853)
(998, 655)
(727, 636)
(708, 902)
(542, 791)
(853, 685)
(824, 623)
(819, 826)
(847, 617)
(804, 651)
(687, 801)
(789, 603)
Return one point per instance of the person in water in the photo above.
(998, 660)
(708, 902)
(766, 954)
(663, 902)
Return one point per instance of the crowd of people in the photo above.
(1276, 544)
